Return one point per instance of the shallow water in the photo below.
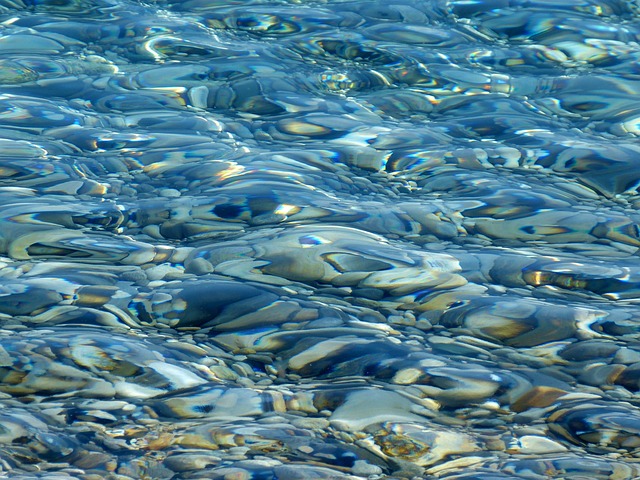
(330, 239)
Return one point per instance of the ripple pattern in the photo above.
(334, 239)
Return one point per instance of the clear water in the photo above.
(324, 239)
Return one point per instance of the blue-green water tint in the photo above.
(331, 239)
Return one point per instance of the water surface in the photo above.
(319, 239)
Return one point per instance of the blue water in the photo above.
(330, 239)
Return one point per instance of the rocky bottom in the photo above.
(275, 239)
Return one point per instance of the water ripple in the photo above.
(331, 239)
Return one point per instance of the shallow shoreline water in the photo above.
(329, 239)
